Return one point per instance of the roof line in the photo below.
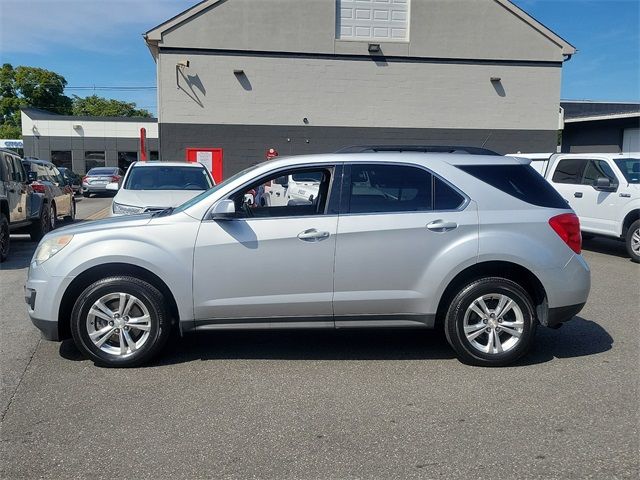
(567, 48)
(595, 118)
(155, 34)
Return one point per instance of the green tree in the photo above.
(96, 106)
(29, 87)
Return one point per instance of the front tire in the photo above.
(5, 237)
(120, 321)
(633, 241)
(491, 322)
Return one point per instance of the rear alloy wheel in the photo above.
(633, 241)
(120, 322)
(5, 237)
(491, 322)
(41, 227)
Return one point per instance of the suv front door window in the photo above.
(281, 254)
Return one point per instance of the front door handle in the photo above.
(313, 235)
(578, 194)
(441, 226)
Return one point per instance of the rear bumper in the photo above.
(559, 315)
(94, 188)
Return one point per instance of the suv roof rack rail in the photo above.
(417, 148)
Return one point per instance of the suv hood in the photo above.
(111, 223)
(154, 198)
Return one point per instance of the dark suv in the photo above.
(20, 208)
(50, 182)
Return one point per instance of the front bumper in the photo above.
(43, 294)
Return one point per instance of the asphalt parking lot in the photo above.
(310, 405)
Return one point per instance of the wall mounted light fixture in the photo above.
(374, 48)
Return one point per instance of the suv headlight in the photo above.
(120, 209)
(50, 247)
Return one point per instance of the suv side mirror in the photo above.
(32, 176)
(604, 184)
(223, 210)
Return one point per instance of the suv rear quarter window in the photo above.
(519, 181)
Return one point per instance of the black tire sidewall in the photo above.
(634, 258)
(53, 217)
(147, 294)
(454, 322)
(4, 229)
(40, 228)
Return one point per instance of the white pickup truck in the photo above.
(602, 188)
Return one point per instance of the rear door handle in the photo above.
(313, 235)
(441, 226)
(578, 194)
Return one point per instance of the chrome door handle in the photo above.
(441, 226)
(313, 235)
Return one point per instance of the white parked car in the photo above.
(153, 186)
(602, 188)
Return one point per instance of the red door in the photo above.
(210, 158)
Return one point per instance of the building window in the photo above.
(62, 158)
(373, 20)
(153, 155)
(126, 158)
(93, 160)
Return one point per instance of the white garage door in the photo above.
(631, 140)
(378, 20)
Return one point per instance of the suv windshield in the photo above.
(168, 178)
(630, 168)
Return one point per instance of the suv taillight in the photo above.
(37, 187)
(567, 226)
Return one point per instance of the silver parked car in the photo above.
(481, 246)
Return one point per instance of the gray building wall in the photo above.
(599, 136)
(469, 29)
(300, 83)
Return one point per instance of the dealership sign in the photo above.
(11, 144)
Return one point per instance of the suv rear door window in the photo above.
(569, 170)
(520, 181)
(376, 188)
(19, 174)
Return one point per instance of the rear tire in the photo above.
(72, 214)
(491, 322)
(120, 321)
(5, 237)
(53, 217)
(41, 227)
(633, 241)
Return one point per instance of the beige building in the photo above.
(307, 76)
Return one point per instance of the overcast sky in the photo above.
(99, 43)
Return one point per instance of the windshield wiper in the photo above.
(162, 213)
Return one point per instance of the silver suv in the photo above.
(481, 246)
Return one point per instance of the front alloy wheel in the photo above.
(491, 322)
(120, 321)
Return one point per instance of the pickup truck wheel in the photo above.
(491, 322)
(633, 241)
(5, 237)
(72, 212)
(120, 321)
(42, 226)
